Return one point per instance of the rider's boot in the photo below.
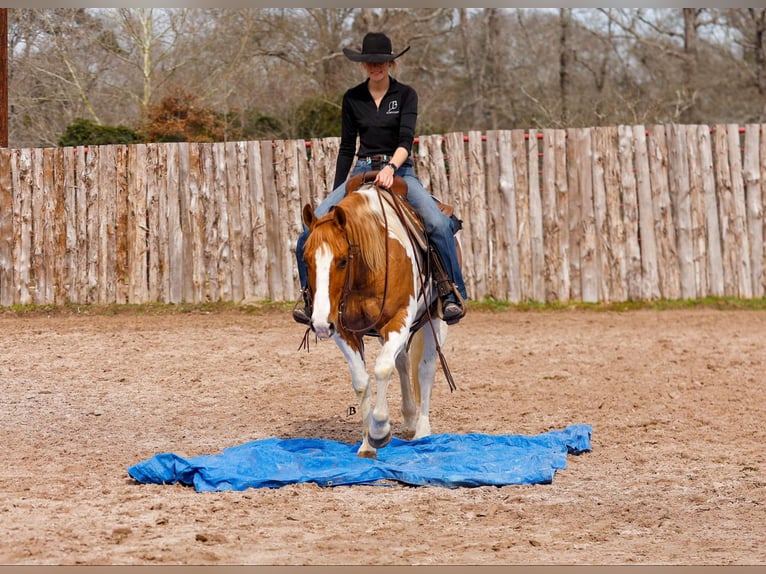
(453, 306)
(303, 314)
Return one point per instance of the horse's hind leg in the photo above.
(409, 407)
(426, 373)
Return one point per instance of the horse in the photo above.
(368, 277)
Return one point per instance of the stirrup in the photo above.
(301, 315)
(452, 312)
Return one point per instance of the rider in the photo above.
(382, 112)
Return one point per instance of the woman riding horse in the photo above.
(382, 112)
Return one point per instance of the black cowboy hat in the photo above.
(376, 47)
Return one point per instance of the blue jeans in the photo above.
(437, 225)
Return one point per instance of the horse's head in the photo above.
(327, 257)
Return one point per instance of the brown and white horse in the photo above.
(366, 277)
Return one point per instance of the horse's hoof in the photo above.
(379, 442)
(367, 454)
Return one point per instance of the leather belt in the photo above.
(376, 161)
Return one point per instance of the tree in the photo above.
(180, 118)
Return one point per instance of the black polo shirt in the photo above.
(380, 129)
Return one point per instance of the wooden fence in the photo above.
(591, 214)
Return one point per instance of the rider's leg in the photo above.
(439, 230)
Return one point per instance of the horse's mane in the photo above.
(363, 229)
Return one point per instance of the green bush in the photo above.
(85, 132)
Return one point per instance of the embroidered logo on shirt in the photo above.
(393, 107)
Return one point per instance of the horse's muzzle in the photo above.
(323, 330)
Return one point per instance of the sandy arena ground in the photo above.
(676, 399)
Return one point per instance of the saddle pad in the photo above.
(446, 460)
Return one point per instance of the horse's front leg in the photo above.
(380, 424)
(361, 382)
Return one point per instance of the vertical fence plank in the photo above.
(68, 182)
(762, 278)
(574, 213)
(752, 181)
(153, 223)
(81, 223)
(317, 172)
(550, 217)
(305, 191)
(104, 204)
(40, 246)
(285, 193)
(185, 223)
(258, 216)
(234, 211)
(536, 242)
(509, 246)
(431, 168)
(174, 232)
(650, 275)
(477, 197)
(22, 244)
(271, 201)
(664, 226)
(521, 191)
(6, 229)
(138, 291)
(196, 222)
(562, 199)
(107, 216)
(742, 241)
(295, 154)
(91, 183)
(246, 222)
(697, 205)
(494, 214)
(678, 180)
(58, 223)
(600, 217)
(121, 226)
(713, 230)
(725, 208)
(615, 248)
(211, 288)
(220, 186)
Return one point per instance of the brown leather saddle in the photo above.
(410, 216)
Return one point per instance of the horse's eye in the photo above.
(342, 263)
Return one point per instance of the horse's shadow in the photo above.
(341, 429)
(334, 428)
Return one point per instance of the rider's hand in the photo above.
(385, 178)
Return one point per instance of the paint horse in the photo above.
(367, 276)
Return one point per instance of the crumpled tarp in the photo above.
(448, 460)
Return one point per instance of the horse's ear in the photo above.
(340, 216)
(308, 215)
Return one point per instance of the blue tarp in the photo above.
(448, 460)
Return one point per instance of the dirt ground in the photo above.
(676, 399)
